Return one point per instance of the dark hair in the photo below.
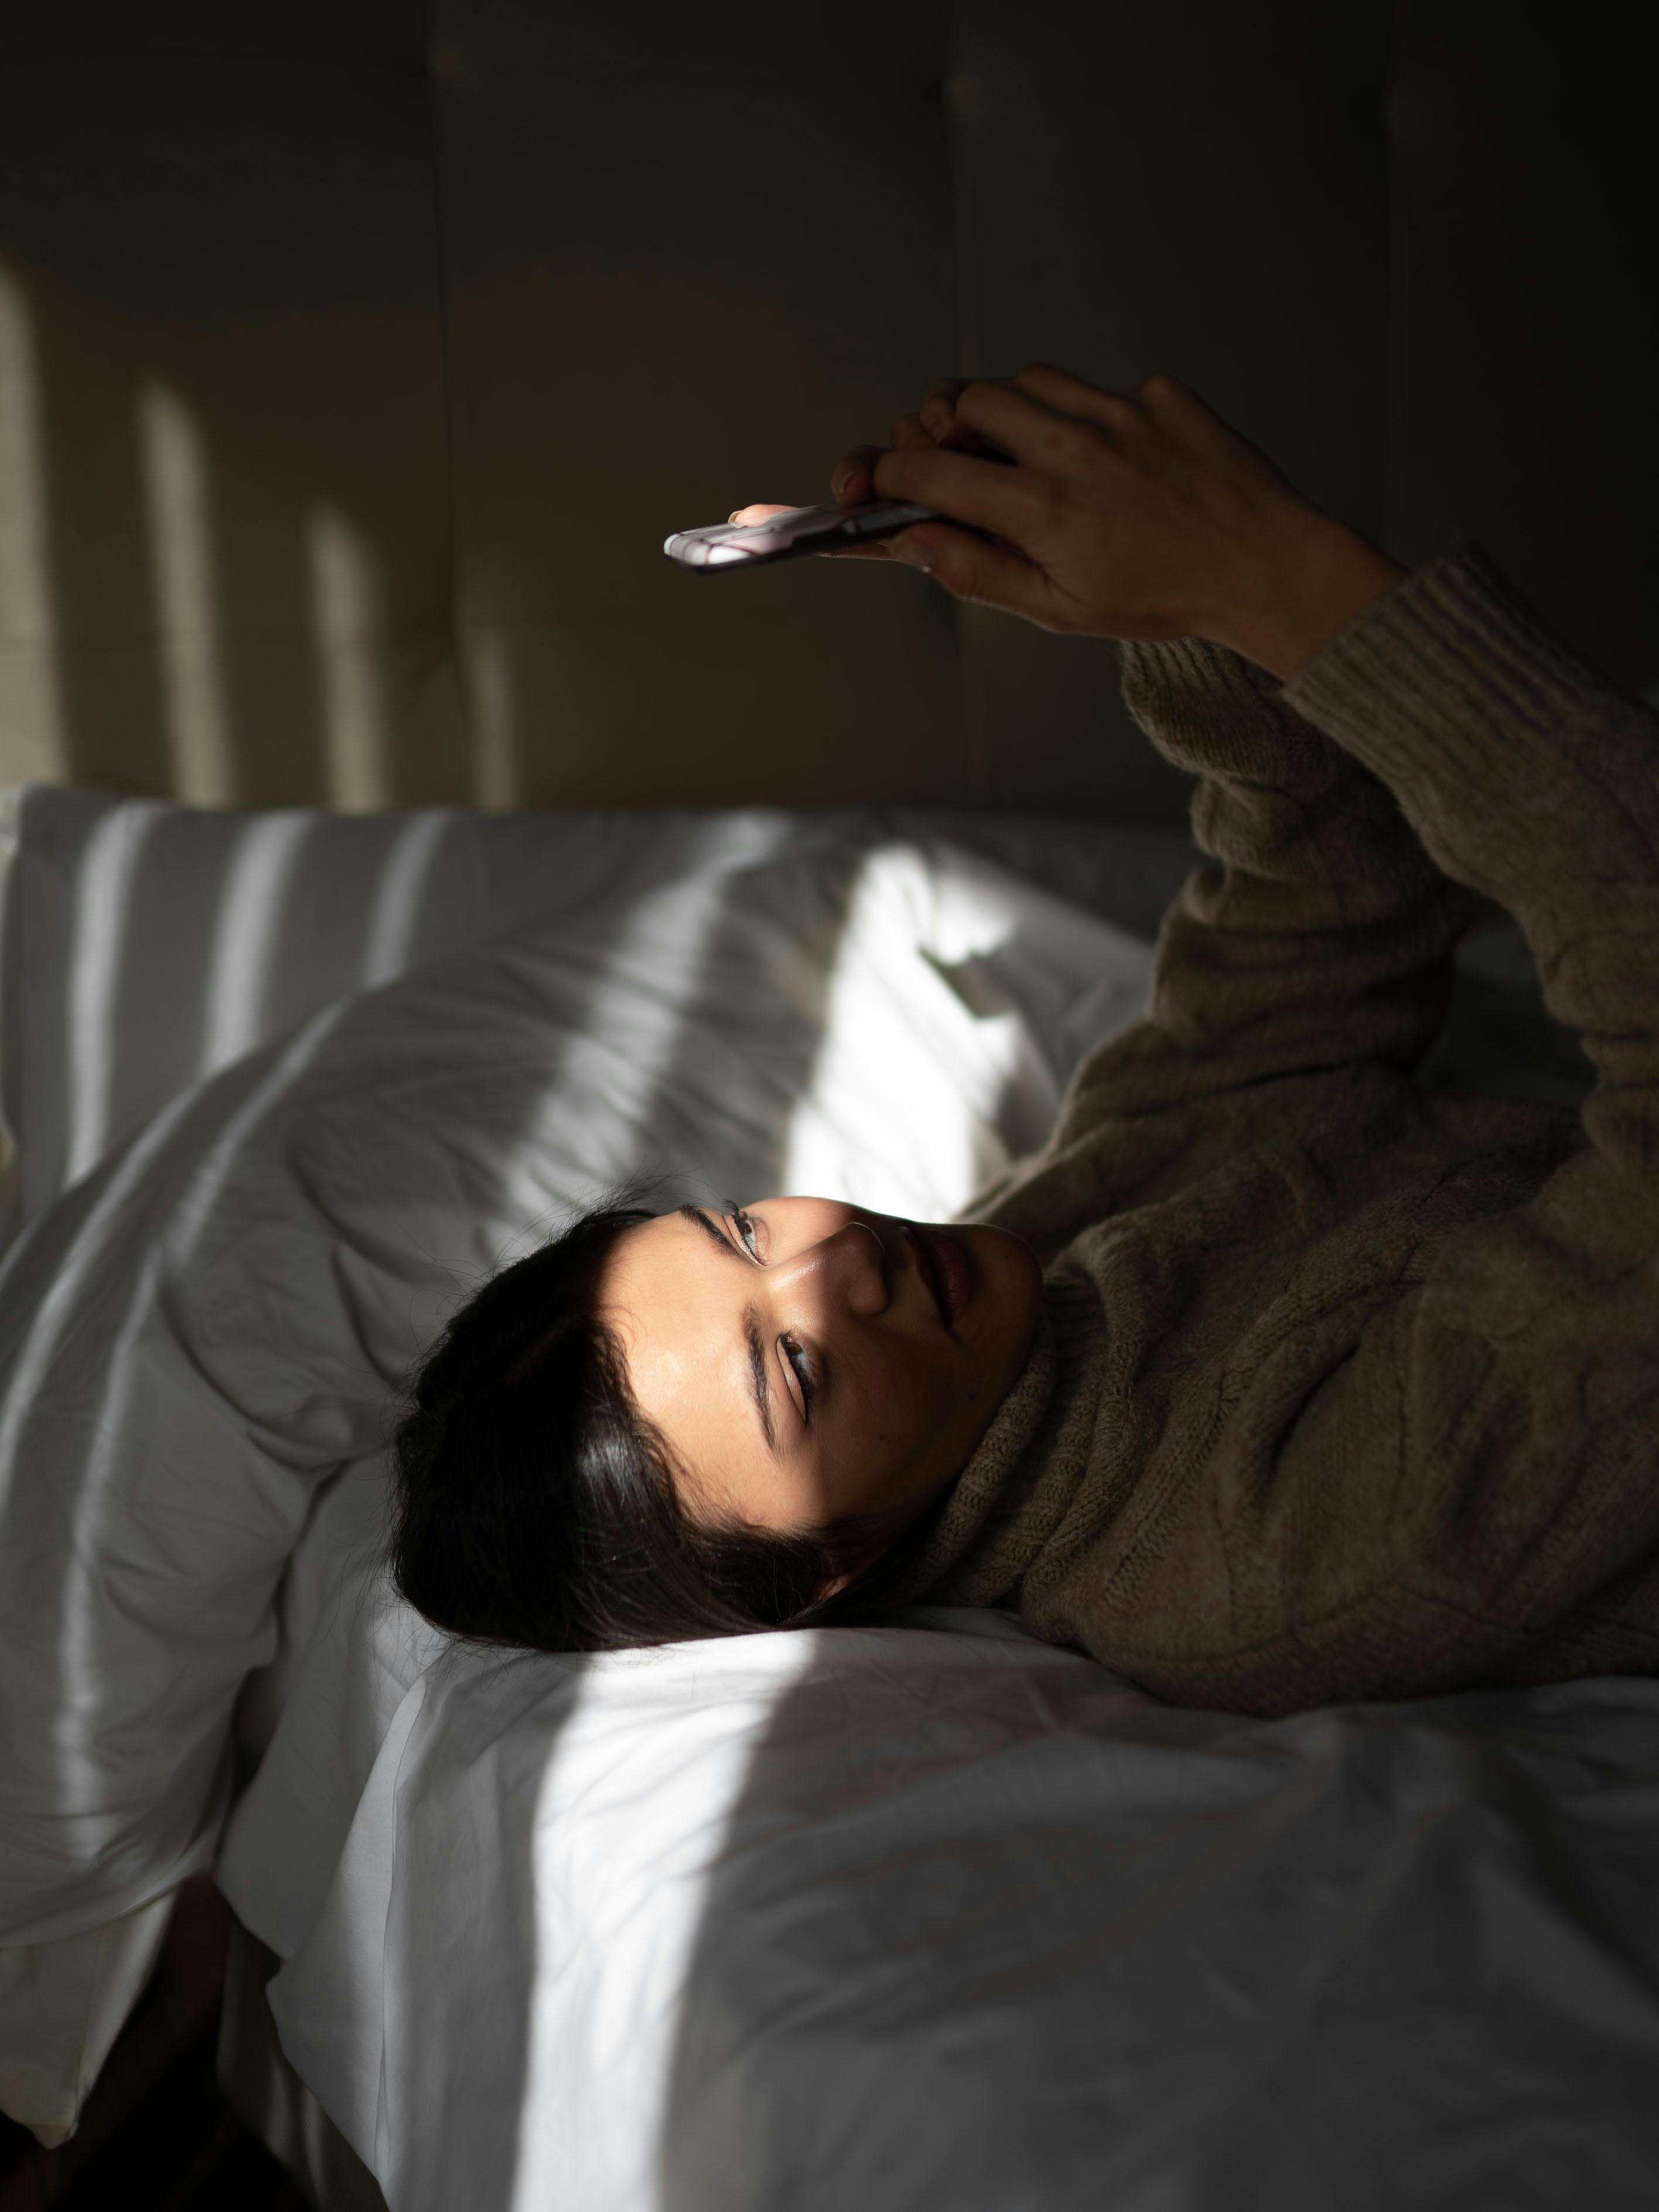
(536, 1506)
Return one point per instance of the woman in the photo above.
(1274, 1380)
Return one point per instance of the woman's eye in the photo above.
(801, 1368)
(745, 1228)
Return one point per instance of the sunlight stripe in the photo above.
(103, 898)
(173, 466)
(246, 933)
(398, 901)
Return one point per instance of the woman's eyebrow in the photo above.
(759, 1382)
(710, 1227)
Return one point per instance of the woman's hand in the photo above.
(851, 485)
(1103, 515)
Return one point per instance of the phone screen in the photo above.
(786, 537)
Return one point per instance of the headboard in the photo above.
(355, 356)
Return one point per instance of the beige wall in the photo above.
(355, 360)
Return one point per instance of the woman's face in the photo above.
(806, 1360)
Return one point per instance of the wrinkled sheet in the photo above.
(935, 1914)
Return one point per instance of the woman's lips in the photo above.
(946, 1271)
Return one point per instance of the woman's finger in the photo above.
(944, 420)
(1034, 432)
(850, 478)
(939, 408)
(852, 481)
(1057, 388)
(988, 494)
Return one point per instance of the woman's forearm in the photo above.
(1321, 934)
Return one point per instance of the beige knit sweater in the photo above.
(1344, 1389)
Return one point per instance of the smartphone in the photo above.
(782, 536)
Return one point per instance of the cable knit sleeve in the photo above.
(1319, 932)
(1531, 778)
(1470, 1491)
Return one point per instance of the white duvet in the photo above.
(889, 1918)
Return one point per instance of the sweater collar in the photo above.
(1027, 1466)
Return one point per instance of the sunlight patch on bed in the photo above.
(929, 1078)
(620, 1061)
(246, 931)
(397, 909)
(103, 899)
(617, 1928)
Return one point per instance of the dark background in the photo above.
(430, 320)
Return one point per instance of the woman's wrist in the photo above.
(1316, 577)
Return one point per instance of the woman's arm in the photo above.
(1469, 1490)
(1320, 934)
(1324, 933)
(1533, 780)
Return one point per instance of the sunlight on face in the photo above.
(807, 1360)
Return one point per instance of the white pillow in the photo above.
(201, 1331)
(148, 944)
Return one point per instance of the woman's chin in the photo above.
(1011, 1288)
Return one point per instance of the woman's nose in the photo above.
(848, 1269)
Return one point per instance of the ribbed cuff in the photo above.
(1194, 668)
(1508, 754)
(1214, 713)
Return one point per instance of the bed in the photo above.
(927, 1912)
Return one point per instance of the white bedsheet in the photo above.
(935, 1914)
(892, 1917)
